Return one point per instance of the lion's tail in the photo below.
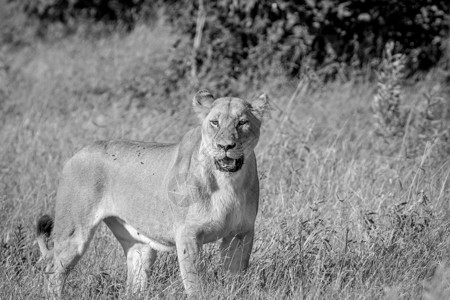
(44, 228)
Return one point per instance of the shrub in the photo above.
(66, 11)
(244, 36)
(420, 124)
(256, 39)
(390, 119)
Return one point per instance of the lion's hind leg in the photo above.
(69, 246)
(140, 258)
(140, 255)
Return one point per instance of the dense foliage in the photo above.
(246, 34)
(257, 37)
(66, 11)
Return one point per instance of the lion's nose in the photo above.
(226, 147)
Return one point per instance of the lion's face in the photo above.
(230, 128)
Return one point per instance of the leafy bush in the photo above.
(260, 38)
(16, 28)
(243, 36)
(68, 12)
(418, 125)
(390, 118)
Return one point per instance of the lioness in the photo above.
(159, 197)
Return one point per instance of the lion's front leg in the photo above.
(188, 250)
(236, 250)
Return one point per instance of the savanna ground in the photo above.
(345, 213)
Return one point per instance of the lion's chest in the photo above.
(228, 214)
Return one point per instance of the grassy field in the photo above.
(344, 212)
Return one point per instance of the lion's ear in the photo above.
(259, 106)
(202, 103)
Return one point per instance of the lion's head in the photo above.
(230, 128)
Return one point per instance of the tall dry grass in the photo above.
(345, 212)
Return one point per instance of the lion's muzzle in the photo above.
(229, 165)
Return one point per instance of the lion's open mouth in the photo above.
(228, 164)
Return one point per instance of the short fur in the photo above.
(158, 197)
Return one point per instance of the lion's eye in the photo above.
(242, 122)
(214, 123)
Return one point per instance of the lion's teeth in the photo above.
(229, 162)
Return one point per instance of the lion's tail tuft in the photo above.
(44, 229)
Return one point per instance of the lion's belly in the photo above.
(136, 193)
(159, 244)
